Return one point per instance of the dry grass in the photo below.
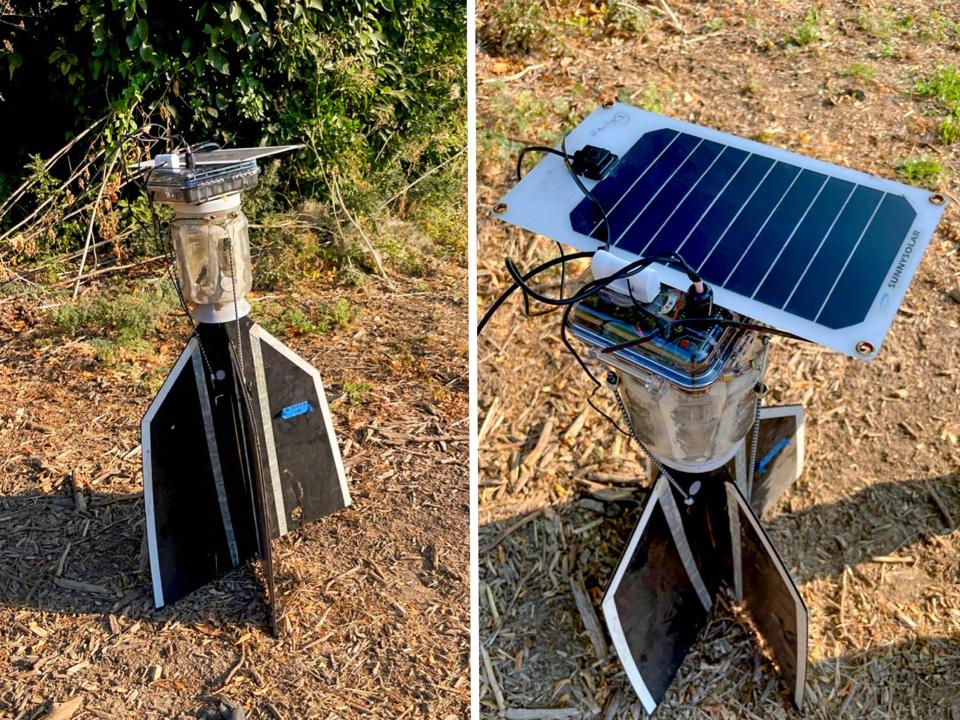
(375, 597)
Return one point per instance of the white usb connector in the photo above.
(645, 284)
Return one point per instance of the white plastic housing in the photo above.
(645, 284)
(212, 248)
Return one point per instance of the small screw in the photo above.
(607, 104)
(937, 199)
(864, 347)
(500, 208)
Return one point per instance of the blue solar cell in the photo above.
(728, 246)
(781, 223)
(816, 246)
(717, 229)
(868, 265)
(796, 254)
(819, 276)
(689, 213)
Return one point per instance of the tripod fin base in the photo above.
(214, 453)
(654, 606)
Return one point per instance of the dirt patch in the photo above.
(375, 596)
(870, 531)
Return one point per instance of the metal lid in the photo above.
(172, 180)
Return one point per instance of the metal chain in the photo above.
(203, 356)
(236, 312)
(613, 382)
(754, 437)
(761, 390)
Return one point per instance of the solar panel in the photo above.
(816, 249)
(229, 156)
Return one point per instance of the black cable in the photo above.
(533, 148)
(505, 295)
(608, 233)
(521, 281)
(527, 312)
(563, 268)
(562, 153)
(603, 414)
(163, 241)
(594, 286)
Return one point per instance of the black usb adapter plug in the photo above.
(592, 162)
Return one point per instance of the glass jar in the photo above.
(212, 248)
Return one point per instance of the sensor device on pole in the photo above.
(238, 445)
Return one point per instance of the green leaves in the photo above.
(14, 60)
(258, 8)
(366, 82)
(218, 62)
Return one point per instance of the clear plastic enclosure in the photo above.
(694, 431)
(689, 392)
(213, 256)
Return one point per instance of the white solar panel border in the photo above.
(619, 126)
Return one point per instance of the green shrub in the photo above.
(356, 392)
(943, 86)
(514, 26)
(859, 70)
(294, 320)
(626, 17)
(950, 130)
(120, 316)
(924, 170)
(808, 31)
(374, 89)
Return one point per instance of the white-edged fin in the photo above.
(768, 605)
(612, 616)
(267, 424)
(147, 464)
(258, 332)
(657, 602)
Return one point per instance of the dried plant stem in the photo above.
(26, 184)
(363, 236)
(428, 173)
(93, 218)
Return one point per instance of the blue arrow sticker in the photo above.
(291, 411)
(770, 456)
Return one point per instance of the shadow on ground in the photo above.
(541, 654)
(85, 555)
